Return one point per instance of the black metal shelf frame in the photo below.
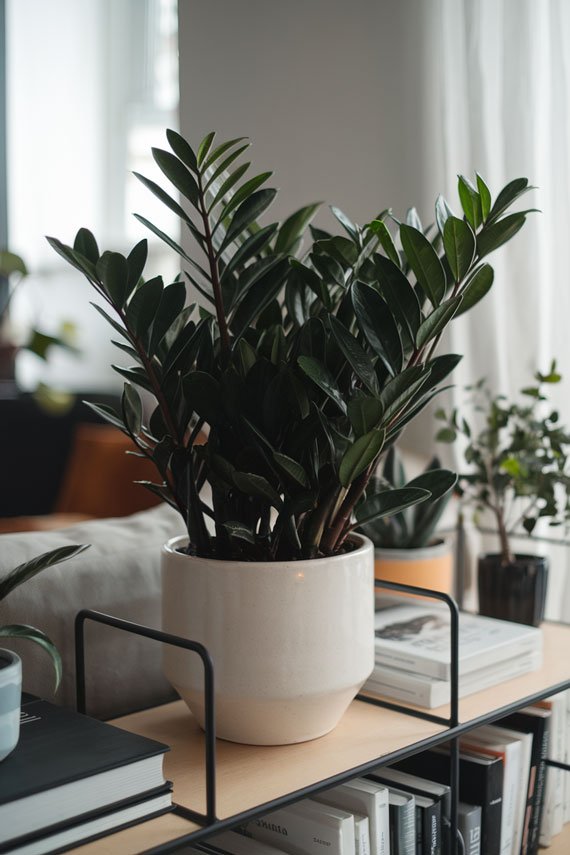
(452, 727)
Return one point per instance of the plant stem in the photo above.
(507, 556)
(212, 261)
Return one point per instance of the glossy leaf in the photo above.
(136, 261)
(459, 244)
(177, 174)
(437, 321)
(293, 227)
(202, 391)
(498, 233)
(378, 326)
(132, 409)
(509, 194)
(485, 197)
(112, 269)
(217, 152)
(239, 531)
(442, 213)
(425, 263)
(204, 147)
(347, 225)
(389, 502)
(476, 287)
(29, 633)
(380, 229)
(293, 469)
(247, 213)
(257, 485)
(26, 571)
(182, 149)
(85, 244)
(360, 455)
(470, 202)
(400, 297)
(321, 376)
(364, 413)
(358, 359)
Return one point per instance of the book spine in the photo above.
(361, 835)
(469, 825)
(553, 810)
(382, 831)
(432, 829)
(419, 830)
(538, 801)
(407, 828)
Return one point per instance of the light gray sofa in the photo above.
(119, 575)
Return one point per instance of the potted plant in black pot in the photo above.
(302, 371)
(10, 663)
(406, 547)
(519, 474)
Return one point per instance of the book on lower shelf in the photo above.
(72, 777)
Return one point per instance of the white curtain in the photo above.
(497, 85)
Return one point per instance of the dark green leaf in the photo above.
(378, 326)
(476, 287)
(321, 376)
(202, 392)
(459, 245)
(257, 485)
(164, 237)
(182, 149)
(293, 469)
(508, 195)
(470, 202)
(136, 261)
(485, 196)
(259, 296)
(227, 185)
(114, 273)
(143, 306)
(239, 531)
(364, 413)
(204, 147)
(389, 502)
(495, 235)
(86, 244)
(360, 455)
(436, 322)
(400, 297)
(26, 571)
(221, 149)
(347, 225)
(380, 229)
(292, 229)
(247, 213)
(446, 435)
(178, 175)
(171, 305)
(222, 167)
(425, 263)
(358, 359)
(132, 409)
(108, 414)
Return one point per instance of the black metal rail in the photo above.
(452, 727)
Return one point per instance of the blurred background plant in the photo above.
(518, 458)
(13, 271)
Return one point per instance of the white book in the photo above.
(417, 638)
(361, 835)
(305, 827)
(368, 798)
(552, 819)
(425, 691)
(491, 741)
(524, 773)
(231, 843)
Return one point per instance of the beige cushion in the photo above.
(118, 575)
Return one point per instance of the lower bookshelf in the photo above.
(252, 779)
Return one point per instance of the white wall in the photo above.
(329, 92)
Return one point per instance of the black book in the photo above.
(67, 765)
(536, 721)
(429, 797)
(402, 809)
(480, 783)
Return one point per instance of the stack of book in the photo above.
(72, 778)
(510, 801)
(413, 653)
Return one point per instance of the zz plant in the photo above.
(301, 370)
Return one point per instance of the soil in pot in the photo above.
(515, 591)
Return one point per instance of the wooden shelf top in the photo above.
(249, 776)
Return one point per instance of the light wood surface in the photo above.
(560, 844)
(136, 839)
(249, 776)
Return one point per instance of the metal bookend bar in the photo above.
(558, 765)
(453, 719)
(166, 638)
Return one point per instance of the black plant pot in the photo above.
(514, 591)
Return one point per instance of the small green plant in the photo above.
(518, 458)
(414, 527)
(22, 574)
(302, 369)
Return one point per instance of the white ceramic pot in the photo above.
(292, 642)
(10, 701)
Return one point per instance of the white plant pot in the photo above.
(292, 642)
(10, 701)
